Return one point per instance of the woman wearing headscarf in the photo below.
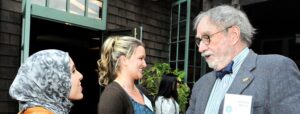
(46, 83)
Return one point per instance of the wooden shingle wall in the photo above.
(153, 16)
(10, 37)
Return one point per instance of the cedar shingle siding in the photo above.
(10, 37)
(153, 16)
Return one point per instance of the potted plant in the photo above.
(153, 75)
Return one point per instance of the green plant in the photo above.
(152, 78)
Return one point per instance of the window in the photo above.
(184, 53)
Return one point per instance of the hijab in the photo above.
(44, 79)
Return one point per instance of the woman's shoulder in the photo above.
(36, 110)
(161, 98)
(113, 92)
(114, 100)
(164, 98)
(113, 87)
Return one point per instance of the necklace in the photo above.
(127, 88)
(130, 90)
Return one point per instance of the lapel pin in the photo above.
(246, 79)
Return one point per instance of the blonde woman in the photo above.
(121, 64)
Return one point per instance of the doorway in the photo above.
(277, 25)
(83, 47)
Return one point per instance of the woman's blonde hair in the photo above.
(112, 49)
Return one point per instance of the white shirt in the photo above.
(166, 106)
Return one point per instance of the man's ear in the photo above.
(235, 34)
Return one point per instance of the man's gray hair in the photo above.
(225, 16)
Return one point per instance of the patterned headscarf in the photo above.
(44, 79)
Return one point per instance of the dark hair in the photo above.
(168, 87)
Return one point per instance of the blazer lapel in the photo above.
(243, 78)
(207, 88)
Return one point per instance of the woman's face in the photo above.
(76, 77)
(136, 63)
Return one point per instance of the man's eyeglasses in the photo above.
(206, 38)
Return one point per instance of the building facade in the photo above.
(165, 26)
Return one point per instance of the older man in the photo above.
(257, 84)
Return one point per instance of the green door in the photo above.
(89, 14)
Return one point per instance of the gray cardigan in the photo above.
(114, 100)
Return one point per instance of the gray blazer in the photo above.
(273, 81)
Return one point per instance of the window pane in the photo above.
(180, 65)
(183, 8)
(39, 2)
(95, 8)
(174, 33)
(58, 4)
(182, 30)
(198, 59)
(175, 14)
(191, 57)
(77, 7)
(181, 51)
(173, 65)
(173, 52)
(192, 43)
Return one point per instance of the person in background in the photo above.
(46, 83)
(122, 63)
(166, 100)
(271, 83)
